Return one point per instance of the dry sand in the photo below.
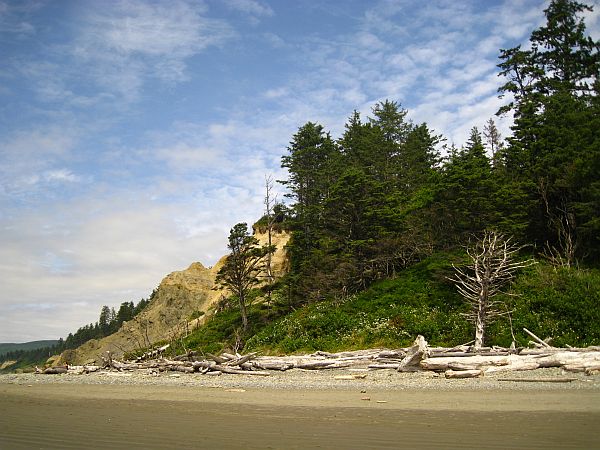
(297, 409)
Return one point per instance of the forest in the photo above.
(384, 196)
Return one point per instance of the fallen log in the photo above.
(536, 339)
(123, 366)
(217, 359)
(463, 373)
(241, 360)
(589, 367)
(227, 369)
(184, 369)
(514, 366)
(463, 362)
(272, 365)
(384, 366)
(55, 370)
(204, 364)
(311, 365)
(538, 380)
(389, 354)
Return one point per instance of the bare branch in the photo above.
(492, 266)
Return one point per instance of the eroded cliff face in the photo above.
(179, 295)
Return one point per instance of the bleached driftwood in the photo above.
(414, 354)
(463, 373)
(536, 339)
(455, 362)
(539, 380)
(463, 362)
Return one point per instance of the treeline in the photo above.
(109, 322)
(384, 195)
(29, 357)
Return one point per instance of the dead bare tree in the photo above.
(269, 202)
(493, 265)
(493, 139)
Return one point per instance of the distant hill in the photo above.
(34, 345)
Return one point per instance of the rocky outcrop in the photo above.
(180, 296)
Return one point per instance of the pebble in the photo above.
(380, 380)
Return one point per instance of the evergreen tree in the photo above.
(419, 159)
(493, 140)
(104, 321)
(242, 266)
(467, 191)
(555, 134)
(312, 155)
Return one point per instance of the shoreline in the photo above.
(316, 388)
(296, 409)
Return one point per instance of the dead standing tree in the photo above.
(492, 266)
(270, 201)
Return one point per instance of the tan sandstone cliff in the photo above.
(179, 295)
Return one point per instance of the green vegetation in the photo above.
(378, 215)
(240, 271)
(558, 302)
(34, 345)
(109, 322)
(561, 302)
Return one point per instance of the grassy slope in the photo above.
(562, 303)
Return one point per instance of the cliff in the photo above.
(179, 295)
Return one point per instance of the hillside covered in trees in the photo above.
(370, 210)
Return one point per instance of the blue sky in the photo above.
(135, 134)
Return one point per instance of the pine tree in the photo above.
(555, 133)
(242, 266)
(467, 190)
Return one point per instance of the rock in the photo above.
(179, 295)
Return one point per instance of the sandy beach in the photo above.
(297, 409)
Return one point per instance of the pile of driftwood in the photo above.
(456, 362)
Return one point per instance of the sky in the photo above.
(135, 134)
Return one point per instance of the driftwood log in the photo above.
(455, 362)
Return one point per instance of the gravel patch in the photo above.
(383, 379)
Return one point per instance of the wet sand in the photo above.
(73, 415)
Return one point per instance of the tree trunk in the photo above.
(243, 311)
(480, 321)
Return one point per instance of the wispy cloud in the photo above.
(253, 8)
(131, 40)
(140, 135)
(13, 18)
(436, 64)
(33, 156)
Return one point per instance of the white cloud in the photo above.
(93, 250)
(251, 7)
(31, 156)
(169, 196)
(274, 40)
(61, 175)
(133, 40)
